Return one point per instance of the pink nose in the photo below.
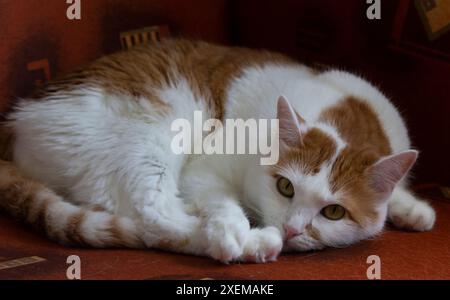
(290, 232)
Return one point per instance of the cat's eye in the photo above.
(333, 212)
(285, 187)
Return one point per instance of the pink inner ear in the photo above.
(385, 174)
(291, 125)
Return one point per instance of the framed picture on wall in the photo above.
(422, 28)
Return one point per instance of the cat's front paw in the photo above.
(412, 215)
(226, 239)
(263, 245)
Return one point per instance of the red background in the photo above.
(393, 52)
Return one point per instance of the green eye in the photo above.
(285, 187)
(333, 212)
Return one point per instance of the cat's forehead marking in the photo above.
(358, 125)
(317, 148)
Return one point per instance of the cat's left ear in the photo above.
(291, 125)
(385, 173)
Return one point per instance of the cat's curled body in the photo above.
(100, 141)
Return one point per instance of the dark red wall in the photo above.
(32, 30)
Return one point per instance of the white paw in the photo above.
(413, 215)
(226, 238)
(263, 245)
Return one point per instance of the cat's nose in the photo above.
(290, 232)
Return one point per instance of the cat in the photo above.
(92, 164)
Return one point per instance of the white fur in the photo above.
(114, 151)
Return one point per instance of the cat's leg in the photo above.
(150, 183)
(406, 211)
(211, 185)
(228, 235)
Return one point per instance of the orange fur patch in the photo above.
(316, 148)
(313, 232)
(359, 126)
(73, 229)
(208, 68)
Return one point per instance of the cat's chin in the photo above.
(302, 244)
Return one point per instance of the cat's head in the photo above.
(323, 192)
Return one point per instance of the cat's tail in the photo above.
(62, 221)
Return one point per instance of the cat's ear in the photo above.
(386, 172)
(291, 124)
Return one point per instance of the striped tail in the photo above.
(62, 221)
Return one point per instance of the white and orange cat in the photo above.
(92, 161)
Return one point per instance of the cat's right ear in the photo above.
(291, 124)
(385, 173)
